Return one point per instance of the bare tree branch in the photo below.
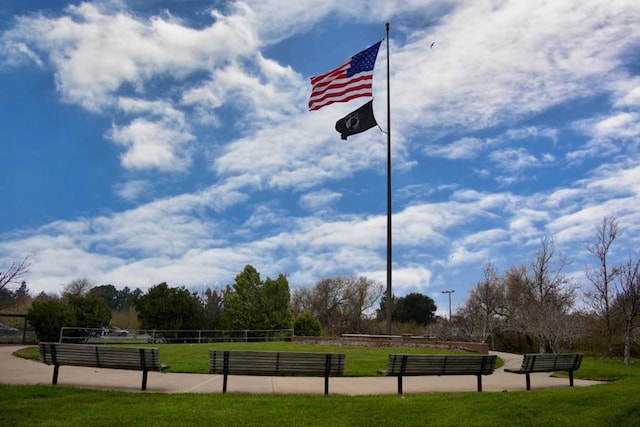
(16, 271)
(602, 275)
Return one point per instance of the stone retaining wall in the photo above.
(393, 341)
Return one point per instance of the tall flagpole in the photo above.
(389, 252)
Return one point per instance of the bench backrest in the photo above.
(101, 356)
(548, 362)
(240, 362)
(435, 364)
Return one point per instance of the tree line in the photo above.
(537, 307)
(332, 306)
(534, 306)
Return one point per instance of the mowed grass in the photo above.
(193, 358)
(613, 404)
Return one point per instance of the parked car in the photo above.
(7, 330)
(117, 332)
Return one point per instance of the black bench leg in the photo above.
(570, 378)
(144, 380)
(56, 368)
(327, 371)
(479, 382)
(225, 371)
(528, 381)
(399, 384)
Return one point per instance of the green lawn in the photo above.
(193, 358)
(614, 404)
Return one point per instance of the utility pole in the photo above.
(449, 292)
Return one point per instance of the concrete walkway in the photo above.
(15, 370)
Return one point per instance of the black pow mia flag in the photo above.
(357, 121)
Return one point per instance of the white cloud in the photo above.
(618, 126)
(497, 62)
(404, 280)
(131, 190)
(612, 134)
(465, 148)
(137, 106)
(131, 50)
(514, 159)
(276, 154)
(148, 144)
(628, 94)
(319, 200)
(18, 51)
(264, 92)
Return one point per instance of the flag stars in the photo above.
(352, 79)
(364, 61)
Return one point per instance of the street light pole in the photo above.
(449, 292)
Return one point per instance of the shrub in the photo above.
(47, 317)
(306, 324)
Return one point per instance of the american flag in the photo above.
(350, 80)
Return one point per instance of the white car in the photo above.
(118, 332)
(7, 330)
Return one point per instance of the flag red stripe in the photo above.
(343, 96)
(336, 90)
(342, 82)
(336, 71)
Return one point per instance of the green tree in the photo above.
(90, 311)
(47, 316)
(125, 297)
(107, 293)
(415, 307)
(275, 297)
(252, 304)
(307, 325)
(213, 307)
(6, 298)
(242, 301)
(381, 312)
(168, 308)
(117, 300)
(14, 298)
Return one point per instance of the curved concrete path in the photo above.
(15, 370)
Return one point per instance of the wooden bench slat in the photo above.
(246, 362)
(548, 362)
(400, 365)
(101, 356)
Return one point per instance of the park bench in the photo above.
(401, 365)
(101, 356)
(548, 362)
(274, 363)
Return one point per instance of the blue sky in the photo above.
(150, 141)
